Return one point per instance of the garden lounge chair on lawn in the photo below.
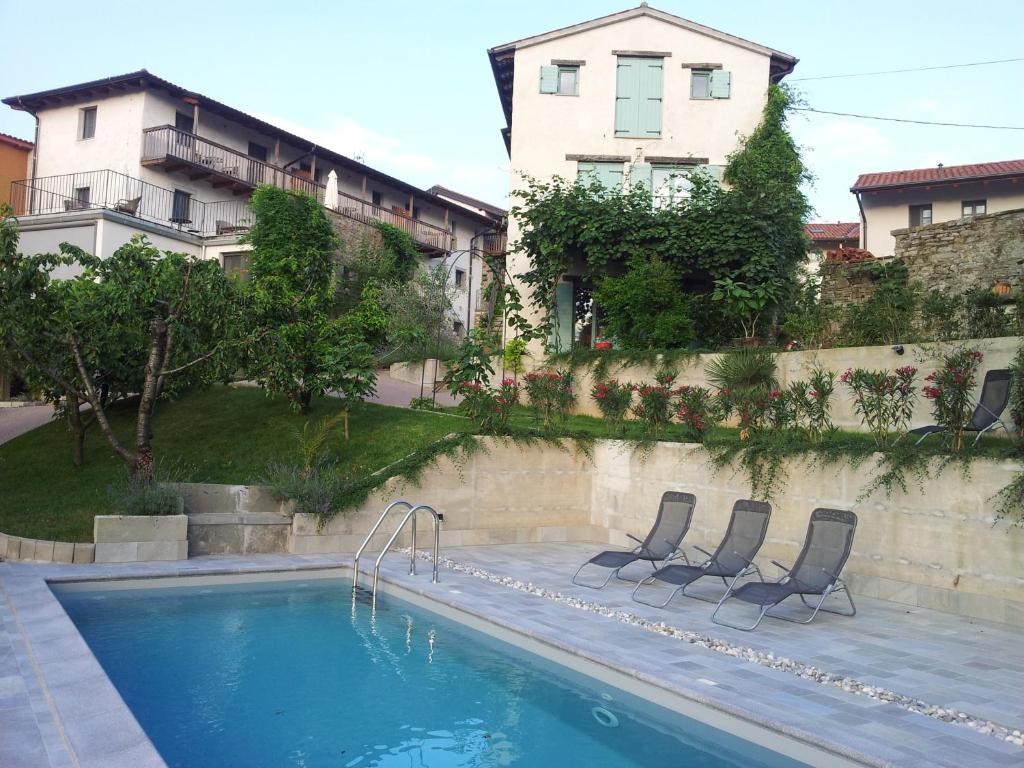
(995, 394)
(815, 573)
(733, 559)
(674, 515)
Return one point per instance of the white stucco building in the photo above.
(136, 153)
(893, 200)
(637, 97)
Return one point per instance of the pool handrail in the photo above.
(437, 543)
(373, 530)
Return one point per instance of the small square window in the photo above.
(82, 195)
(376, 198)
(974, 207)
(920, 215)
(87, 123)
(459, 327)
(236, 265)
(568, 81)
(700, 84)
(460, 278)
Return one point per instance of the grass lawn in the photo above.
(219, 435)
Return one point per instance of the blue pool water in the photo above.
(293, 673)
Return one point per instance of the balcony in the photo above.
(493, 243)
(224, 168)
(175, 150)
(109, 190)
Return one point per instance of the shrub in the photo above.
(941, 316)
(985, 315)
(139, 497)
(743, 370)
(490, 408)
(613, 400)
(884, 399)
(550, 394)
(1017, 393)
(646, 308)
(512, 355)
(887, 317)
(697, 410)
(654, 408)
(950, 389)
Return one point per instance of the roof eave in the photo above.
(938, 182)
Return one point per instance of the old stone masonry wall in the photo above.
(965, 253)
(954, 256)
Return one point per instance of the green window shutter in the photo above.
(715, 172)
(586, 171)
(627, 85)
(610, 175)
(650, 97)
(549, 79)
(721, 84)
(640, 175)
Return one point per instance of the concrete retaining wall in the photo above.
(413, 373)
(795, 365)
(19, 548)
(124, 539)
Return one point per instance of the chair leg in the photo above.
(724, 623)
(650, 580)
(925, 436)
(818, 608)
(602, 585)
(633, 581)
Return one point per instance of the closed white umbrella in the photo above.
(331, 194)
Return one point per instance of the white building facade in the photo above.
(136, 153)
(637, 97)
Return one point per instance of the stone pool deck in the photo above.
(58, 709)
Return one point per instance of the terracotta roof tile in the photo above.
(942, 174)
(6, 138)
(837, 231)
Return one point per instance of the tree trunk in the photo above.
(142, 465)
(305, 398)
(74, 417)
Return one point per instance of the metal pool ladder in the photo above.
(411, 513)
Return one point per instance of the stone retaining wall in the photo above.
(795, 365)
(126, 539)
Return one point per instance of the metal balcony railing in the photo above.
(114, 191)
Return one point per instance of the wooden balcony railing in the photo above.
(174, 149)
(429, 235)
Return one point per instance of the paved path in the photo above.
(394, 392)
(18, 421)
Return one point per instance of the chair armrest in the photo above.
(642, 547)
(704, 551)
(780, 565)
(747, 560)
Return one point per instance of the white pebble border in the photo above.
(806, 671)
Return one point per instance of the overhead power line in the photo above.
(908, 120)
(902, 71)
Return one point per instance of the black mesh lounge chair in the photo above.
(815, 572)
(733, 559)
(672, 523)
(995, 394)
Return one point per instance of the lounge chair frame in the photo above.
(835, 585)
(993, 376)
(642, 551)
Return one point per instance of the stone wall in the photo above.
(794, 365)
(234, 519)
(937, 547)
(843, 284)
(965, 253)
(131, 539)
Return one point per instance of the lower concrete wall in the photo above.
(427, 371)
(937, 547)
(37, 550)
(505, 495)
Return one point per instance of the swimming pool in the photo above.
(295, 673)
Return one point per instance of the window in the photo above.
(376, 198)
(237, 265)
(670, 184)
(87, 123)
(454, 228)
(180, 207)
(184, 122)
(563, 80)
(974, 207)
(700, 84)
(416, 212)
(460, 278)
(920, 215)
(257, 151)
(459, 327)
(638, 97)
(609, 175)
(82, 197)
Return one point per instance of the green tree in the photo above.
(646, 308)
(140, 321)
(305, 349)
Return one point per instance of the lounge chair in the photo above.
(995, 394)
(674, 515)
(815, 572)
(733, 559)
(128, 205)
